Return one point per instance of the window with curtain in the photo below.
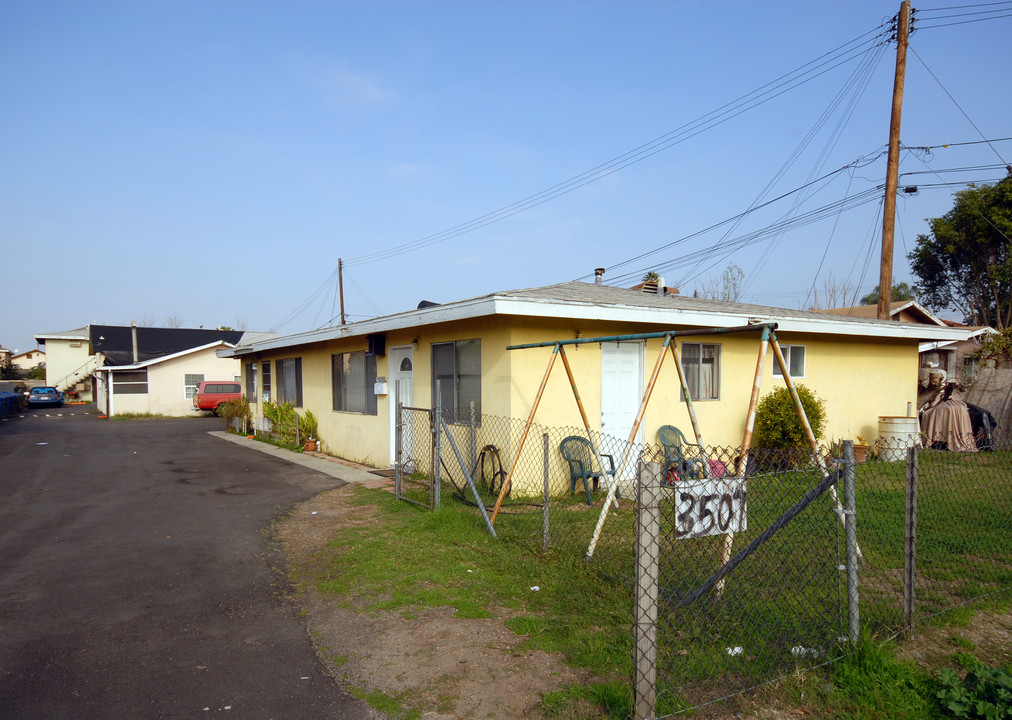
(265, 380)
(353, 376)
(456, 378)
(794, 355)
(701, 366)
(251, 381)
(290, 381)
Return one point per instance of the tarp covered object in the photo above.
(948, 424)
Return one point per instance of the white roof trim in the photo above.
(527, 304)
(163, 358)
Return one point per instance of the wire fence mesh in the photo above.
(748, 554)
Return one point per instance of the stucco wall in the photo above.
(166, 380)
(859, 380)
(62, 359)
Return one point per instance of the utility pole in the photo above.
(885, 286)
(340, 285)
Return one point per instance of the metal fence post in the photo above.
(544, 443)
(474, 438)
(648, 523)
(297, 441)
(850, 529)
(436, 449)
(910, 544)
(398, 441)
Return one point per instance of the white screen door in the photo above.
(621, 394)
(402, 388)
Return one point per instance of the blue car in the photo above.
(45, 397)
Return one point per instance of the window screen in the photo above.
(353, 378)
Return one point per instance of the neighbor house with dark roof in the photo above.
(125, 368)
(352, 376)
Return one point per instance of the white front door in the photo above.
(401, 389)
(621, 394)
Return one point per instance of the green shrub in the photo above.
(283, 417)
(985, 692)
(232, 409)
(777, 425)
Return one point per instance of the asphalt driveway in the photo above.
(137, 579)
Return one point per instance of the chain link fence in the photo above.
(746, 557)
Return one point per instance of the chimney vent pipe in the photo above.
(599, 276)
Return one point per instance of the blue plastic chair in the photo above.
(681, 457)
(582, 459)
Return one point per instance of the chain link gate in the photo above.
(415, 478)
(709, 623)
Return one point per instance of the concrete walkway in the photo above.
(335, 467)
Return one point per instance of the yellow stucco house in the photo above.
(351, 376)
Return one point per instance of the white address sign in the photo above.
(711, 506)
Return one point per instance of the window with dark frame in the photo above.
(353, 378)
(130, 382)
(701, 366)
(794, 356)
(456, 378)
(290, 381)
(251, 381)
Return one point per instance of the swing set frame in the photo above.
(768, 340)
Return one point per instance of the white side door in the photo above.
(621, 394)
(401, 388)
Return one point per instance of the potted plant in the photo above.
(860, 450)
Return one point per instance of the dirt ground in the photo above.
(457, 669)
(452, 668)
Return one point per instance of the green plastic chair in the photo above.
(579, 453)
(681, 457)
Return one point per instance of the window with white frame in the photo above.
(456, 378)
(191, 381)
(794, 356)
(701, 366)
(354, 380)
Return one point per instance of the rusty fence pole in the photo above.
(648, 531)
(910, 545)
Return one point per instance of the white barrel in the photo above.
(896, 434)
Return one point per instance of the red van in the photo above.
(212, 393)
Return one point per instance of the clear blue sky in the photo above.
(212, 160)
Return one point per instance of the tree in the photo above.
(651, 277)
(900, 291)
(728, 287)
(835, 293)
(173, 321)
(8, 370)
(966, 261)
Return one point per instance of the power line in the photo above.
(958, 106)
(842, 54)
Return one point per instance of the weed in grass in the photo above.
(965, 660)
(390, 706)
(962, 642)
(874, 684)
(985, 693)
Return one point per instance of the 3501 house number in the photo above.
(710, 507)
